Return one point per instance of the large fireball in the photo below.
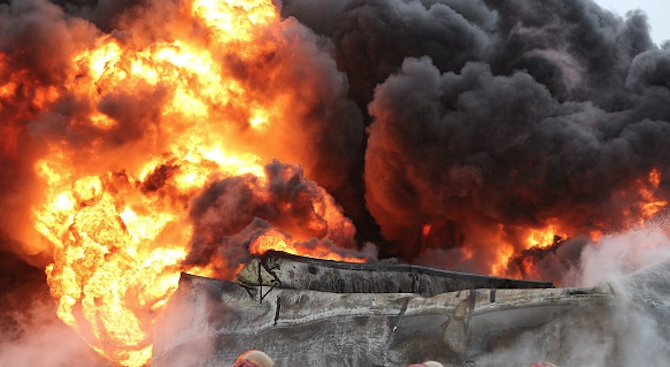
(144, 138)
(203, 100)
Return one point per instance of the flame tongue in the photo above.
(108, 280)
(153, 137)
(161, 122)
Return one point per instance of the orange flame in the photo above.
(278, 241)
(645, 205)
(530, 238)
(115, 217)
(650, 205)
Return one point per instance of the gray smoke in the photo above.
(621, 254)
(30, 332)
(499, 114)
(480, 118)
(483, 118)
(233, 212)
(480, 149)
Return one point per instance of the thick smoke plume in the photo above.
(457, 134)
(484, 118)
(489, 118)
(231, 214)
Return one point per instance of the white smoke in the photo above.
(617, 255)
(31, 335)
(636, 336)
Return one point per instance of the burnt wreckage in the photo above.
(324, 313)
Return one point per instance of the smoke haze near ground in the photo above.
(30, 332)
(620, 254)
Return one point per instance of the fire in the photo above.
(651, 205)
(645, 201)
(212, 93)
(542, 238)
(645, 205)
(117, 217)
(278, 241)
(504, 244)
(528, 239)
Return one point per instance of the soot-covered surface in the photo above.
(210, 322)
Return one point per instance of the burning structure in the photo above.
(323, 313)
(145, 138)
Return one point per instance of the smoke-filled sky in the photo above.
(453, 126)
(657, 11)
(457, 127)
(459, 134)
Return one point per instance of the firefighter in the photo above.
(254, 358)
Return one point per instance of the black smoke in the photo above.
(436, 124)
(477, 117)
(232, 212)
(486, 114)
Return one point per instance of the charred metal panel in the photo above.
(294, 272)
(210, 322)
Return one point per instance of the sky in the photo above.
(657, 11)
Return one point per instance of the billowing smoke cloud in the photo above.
(50, 103)
(484, 118)
(372, 38)
(617, 255)
(103, 13)
(492, 117)
(481, 150)
(231, 214)
(446, 129)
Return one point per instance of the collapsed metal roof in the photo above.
(323, 313)
(278, 269)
